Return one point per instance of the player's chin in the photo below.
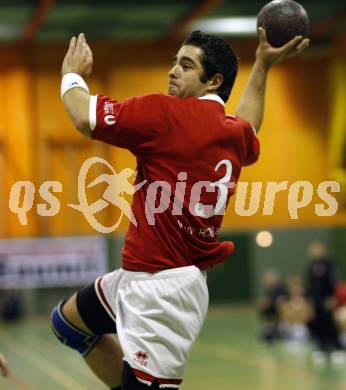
(173, 90)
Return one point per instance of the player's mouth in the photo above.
(172, 84)
(172, 88)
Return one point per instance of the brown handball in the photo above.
(283, 20)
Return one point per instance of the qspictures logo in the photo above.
(160, 194)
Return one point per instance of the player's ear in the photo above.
(215, 82)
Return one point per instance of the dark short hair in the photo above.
(218, 57)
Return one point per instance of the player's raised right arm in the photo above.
(251, 103)
(76, 67)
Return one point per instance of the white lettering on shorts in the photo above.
(109, 119)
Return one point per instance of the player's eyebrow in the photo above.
(189, 59)
(185, 58)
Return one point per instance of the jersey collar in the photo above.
(215, 98)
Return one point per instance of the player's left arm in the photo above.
(251, 103)
(76, 67)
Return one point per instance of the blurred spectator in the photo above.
(273, 293)
(11, 307)
(295, 312)
(340, 311)
(321, 279)
(3, 365)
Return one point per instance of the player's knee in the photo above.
(69, 335)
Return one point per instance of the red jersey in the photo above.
(189, 152)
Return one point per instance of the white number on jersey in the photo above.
(223, 192)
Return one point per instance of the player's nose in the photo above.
(172, 73)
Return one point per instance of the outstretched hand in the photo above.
(269, 55)
(79, 57)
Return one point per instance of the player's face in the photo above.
(186, 72)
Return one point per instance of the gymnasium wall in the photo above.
(38, 142)
(239, 278)
(289, 252)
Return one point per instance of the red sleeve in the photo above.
(251, 144)
(135, 124)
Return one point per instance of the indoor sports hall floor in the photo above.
(226, 357)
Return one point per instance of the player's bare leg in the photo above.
(105, 359)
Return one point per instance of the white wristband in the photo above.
(72, 80)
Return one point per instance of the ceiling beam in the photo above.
(327, 25)
(203, 9)
(340, 45)
(32, 28)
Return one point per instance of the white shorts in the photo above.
(158, 318)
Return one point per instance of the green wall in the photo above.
(238, 279)
(231, 281)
